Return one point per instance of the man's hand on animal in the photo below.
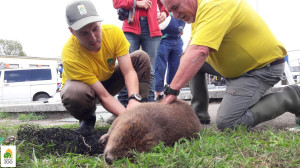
(132, 103)
(169, 99)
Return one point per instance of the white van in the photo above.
(27, 85)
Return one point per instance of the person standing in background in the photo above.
(143, 32)
(169, 52)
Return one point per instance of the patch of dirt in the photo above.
(57, 140)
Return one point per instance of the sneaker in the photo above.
(111, 119)
(160, 97)
(205, 121)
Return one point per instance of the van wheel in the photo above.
(41, 97)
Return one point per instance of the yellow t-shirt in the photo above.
(88, 67)
(241, 40)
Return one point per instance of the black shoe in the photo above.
(87, 125)
(160, 97)
(205, 121)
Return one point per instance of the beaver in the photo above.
(146, 125)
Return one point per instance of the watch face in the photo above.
(136, 97)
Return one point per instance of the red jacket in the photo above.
(151, 16)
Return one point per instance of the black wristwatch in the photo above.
(168, 90)
(136, 97)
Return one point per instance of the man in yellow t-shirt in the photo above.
(228, 38)
(90, 72)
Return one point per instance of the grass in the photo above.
(4, 115)
(30, 117)
(238, 148)
(22, 117)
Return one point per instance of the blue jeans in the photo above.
(150, 46)
(168, 55)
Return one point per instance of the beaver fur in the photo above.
(147, 124)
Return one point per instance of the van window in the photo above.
(27, 75)
(17, 76)
(40, 74)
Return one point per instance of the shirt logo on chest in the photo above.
(110, 61)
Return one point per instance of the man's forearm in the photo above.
(131, 82)
(190, 64)
(112, 105)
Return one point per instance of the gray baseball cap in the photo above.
(80, 13)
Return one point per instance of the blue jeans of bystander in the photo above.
(168, 55)
(150, 46)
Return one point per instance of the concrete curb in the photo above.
(34, 107)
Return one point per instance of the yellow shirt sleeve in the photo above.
(122, 45)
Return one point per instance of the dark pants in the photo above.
(240, 95)
(80, 99)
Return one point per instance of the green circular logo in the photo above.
(7, 155)
(110, 61)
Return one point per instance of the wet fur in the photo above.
(145, 125)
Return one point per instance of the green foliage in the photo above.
(30, 117)
(4, 115)
(11, 47)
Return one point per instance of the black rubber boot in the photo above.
(200, 100)
(87, 125)
(275, 104)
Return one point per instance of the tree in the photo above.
(11, 47)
